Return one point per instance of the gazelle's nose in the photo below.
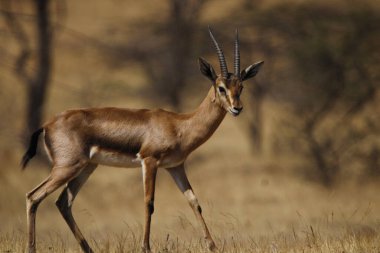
(239, 109)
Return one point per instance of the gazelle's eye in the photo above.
(221, 90)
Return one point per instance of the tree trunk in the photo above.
(181, 23)
(36, 90)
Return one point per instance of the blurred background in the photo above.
(305, 151)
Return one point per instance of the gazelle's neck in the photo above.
(203, 122)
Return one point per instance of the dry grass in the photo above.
(249, 206)
(307, 239)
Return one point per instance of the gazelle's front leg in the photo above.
(179, 176)
(149, 170)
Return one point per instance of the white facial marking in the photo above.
(234, 110)
(229, 97)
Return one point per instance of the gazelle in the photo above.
(77, 141)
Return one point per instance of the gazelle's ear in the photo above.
(206, 69)
(251, 71)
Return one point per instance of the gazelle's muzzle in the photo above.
(234, 112)
(236, 105)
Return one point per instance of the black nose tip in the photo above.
(239, 109)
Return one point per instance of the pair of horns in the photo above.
(222, 59)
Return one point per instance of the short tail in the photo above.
(32, 148)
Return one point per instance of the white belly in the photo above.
(112, 158)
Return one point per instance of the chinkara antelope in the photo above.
(76, 141)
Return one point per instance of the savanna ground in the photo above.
(250, 206)
(252, 202)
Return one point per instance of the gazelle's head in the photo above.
(228, 86)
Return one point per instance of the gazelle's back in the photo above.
(76, 134)
(85, 134)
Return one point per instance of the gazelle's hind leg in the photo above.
(58, 177)
(65, 202)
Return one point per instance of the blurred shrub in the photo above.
(331, 56)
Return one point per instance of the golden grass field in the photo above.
(249, 206)
(251, 203)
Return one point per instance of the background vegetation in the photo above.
(298, 171)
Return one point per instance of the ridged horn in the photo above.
(237, 55)
(222, 60)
